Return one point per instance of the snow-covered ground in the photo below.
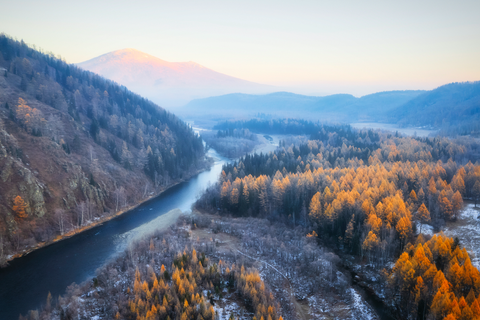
(360, 308)
(357, 308)
(425, 228)
(467, 229)
(227, 305)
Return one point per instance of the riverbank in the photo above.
(159, 224)
(101, 220)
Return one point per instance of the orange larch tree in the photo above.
(19, 207)
(423, 216)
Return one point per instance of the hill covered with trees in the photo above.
(454, 107)
(76, 147)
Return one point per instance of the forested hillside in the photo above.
(365, 193)
(454, 107)
(76, 147)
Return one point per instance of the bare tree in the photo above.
(81, 210)
(60, 220)
(54, 127)
(142, 159)
(91, 209)
(147, 189)
(3, 260)
(93, 158)
(127, 156)
(120, 198)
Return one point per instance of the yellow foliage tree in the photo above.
(316, 207)
(423, 215)
(19, 207)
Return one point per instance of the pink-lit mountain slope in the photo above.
(169, 84)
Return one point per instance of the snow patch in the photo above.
(467, 229)
(362, 309)
(426, 229)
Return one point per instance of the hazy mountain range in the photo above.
(339, 107)
(453, 107)
(203, 93)
(169, 84)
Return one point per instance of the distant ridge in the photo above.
(169, 84)
(338, 107)
(451, 105)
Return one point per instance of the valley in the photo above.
(136, 188)
(54, 267)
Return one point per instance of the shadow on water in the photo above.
(25, 283)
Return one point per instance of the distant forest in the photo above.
(367, 193)
(282, 126)
(231, 143)
(76, 147)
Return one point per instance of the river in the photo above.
(25, 283)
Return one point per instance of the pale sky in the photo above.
(312, 47)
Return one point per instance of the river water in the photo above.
(25, 283)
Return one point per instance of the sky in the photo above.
(310, 47)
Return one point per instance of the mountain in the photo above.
(75, 148)
(338, 107)
(240, 104)
(452, 107)
(169, 84)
